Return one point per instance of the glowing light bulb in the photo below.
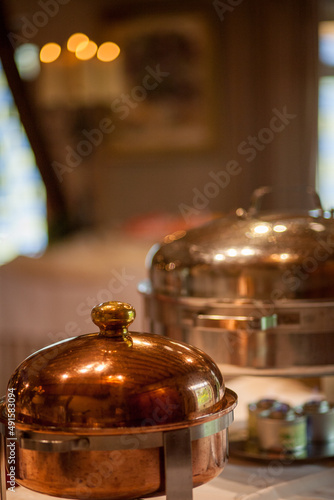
(75, 40)
(86, 50)
(108, 52)
(50, 52)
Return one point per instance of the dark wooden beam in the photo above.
(57, 210)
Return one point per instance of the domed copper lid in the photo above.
(114, 379)
(247, 256)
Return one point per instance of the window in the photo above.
(23, 223)
(325, 170)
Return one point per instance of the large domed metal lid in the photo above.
(115, 379)
(247, 256)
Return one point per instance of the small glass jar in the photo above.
(281, 429)
(320, 420)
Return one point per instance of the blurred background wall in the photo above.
(231, 66)
(206, 101)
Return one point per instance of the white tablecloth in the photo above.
(247, 482)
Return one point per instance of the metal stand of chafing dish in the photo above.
(176, 445)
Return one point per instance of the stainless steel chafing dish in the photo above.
(254, 290)
(115, 415)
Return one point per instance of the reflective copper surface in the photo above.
(77, 398)
(113, 379)
(106, 475)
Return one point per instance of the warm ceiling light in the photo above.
(108, 51)
(86, 51)
(49, 52)
(75, 40)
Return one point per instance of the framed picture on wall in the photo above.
(164, 96)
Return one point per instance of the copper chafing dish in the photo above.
(254, 290)
(115, 415)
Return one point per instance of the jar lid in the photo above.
(262, 404)
(281, 411)
(316, 406)
(116, 379)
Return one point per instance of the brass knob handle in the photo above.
(113, 318)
